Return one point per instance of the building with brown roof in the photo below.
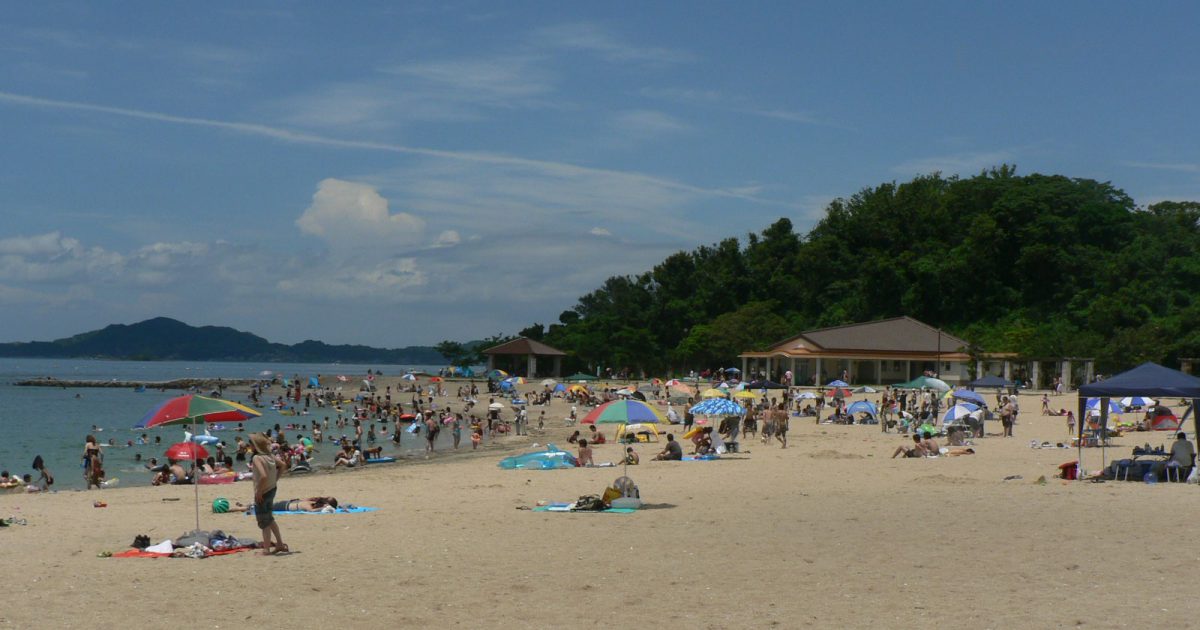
(891, 351)
(508, 352)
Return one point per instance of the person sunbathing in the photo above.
(311, 504)
(916, 450)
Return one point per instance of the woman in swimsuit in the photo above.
(92, 461)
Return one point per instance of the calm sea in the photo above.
(53, 422)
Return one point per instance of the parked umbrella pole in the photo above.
(196, 478)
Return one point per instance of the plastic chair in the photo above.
(1121, 469)
(1177, 469)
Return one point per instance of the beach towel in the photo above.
(701, 458)
(346, 510)
(566, 507)
(138, 553)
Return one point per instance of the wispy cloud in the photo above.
(643, 122)
(956, 163)
(714, 99)
(546, 167)
(1179, 167)
(595, 39)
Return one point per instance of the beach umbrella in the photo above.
(1093, 405)
(638, 396)
(435, 379)
(925, 382)
(837, 383)
(407, 377)
(1138, 401)
(712, 393)
(840, 392)
(745, 394)
(966, 394)
(515, 380)
(733, 370)
(497, 374)
(958, 412)
(578, 388)
(684, 389)
(194, 409)
(865, 390)
(624, 392)
(806, 396)
(495, 406)
(624, 412)
(549, 382)
(718, 407)
(656, 381)
(189, 451)
(675, 383)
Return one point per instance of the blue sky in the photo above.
(400, 173)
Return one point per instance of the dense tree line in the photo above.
(1042, 265)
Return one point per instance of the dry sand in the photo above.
(827, 533)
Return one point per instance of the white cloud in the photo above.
(380, 282)
(448, 238)
(597, 40)
(642, 123)
(958, 163)
(599, 231)
(350, 216)
(714, 99)
(1179, 167)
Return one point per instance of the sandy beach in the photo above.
(829, 532)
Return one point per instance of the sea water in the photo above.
(53, 422)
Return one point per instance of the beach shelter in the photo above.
(313, 382)
(865, 389)
(837, 383)
(580, 376)
(765, 385)
(1148, 379)
(838, 392)
(863, 406)
(806, 396)
(407, 377)
(638, 429)
(712, 393)
(497, 374)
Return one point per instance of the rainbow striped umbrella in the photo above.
(192, 409)
(624, 412)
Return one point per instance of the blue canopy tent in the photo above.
(1147, 379)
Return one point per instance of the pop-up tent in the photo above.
(1147, 379)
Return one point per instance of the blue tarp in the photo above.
(313, 382)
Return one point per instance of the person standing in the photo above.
(92, 462)
(266, 468)
(780, 420)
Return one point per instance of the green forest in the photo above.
(1041, 265)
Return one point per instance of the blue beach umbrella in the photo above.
(837, 383)
(958, 412)
(718, 407)
(966, 394)
(1093, 405)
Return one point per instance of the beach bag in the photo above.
(589, 503)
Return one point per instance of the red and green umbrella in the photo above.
(624, 412)
(193, 409)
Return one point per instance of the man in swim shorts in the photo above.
(672, 451)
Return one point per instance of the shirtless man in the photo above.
(930, 445)
(585, 454)
(779, 418)
(916, 450)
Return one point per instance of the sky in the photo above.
(398, 173)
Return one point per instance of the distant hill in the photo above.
(166, 339)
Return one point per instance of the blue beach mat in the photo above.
(353, 510)
(563, 507)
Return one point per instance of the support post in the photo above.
(1033, 375)
(1066, 375)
